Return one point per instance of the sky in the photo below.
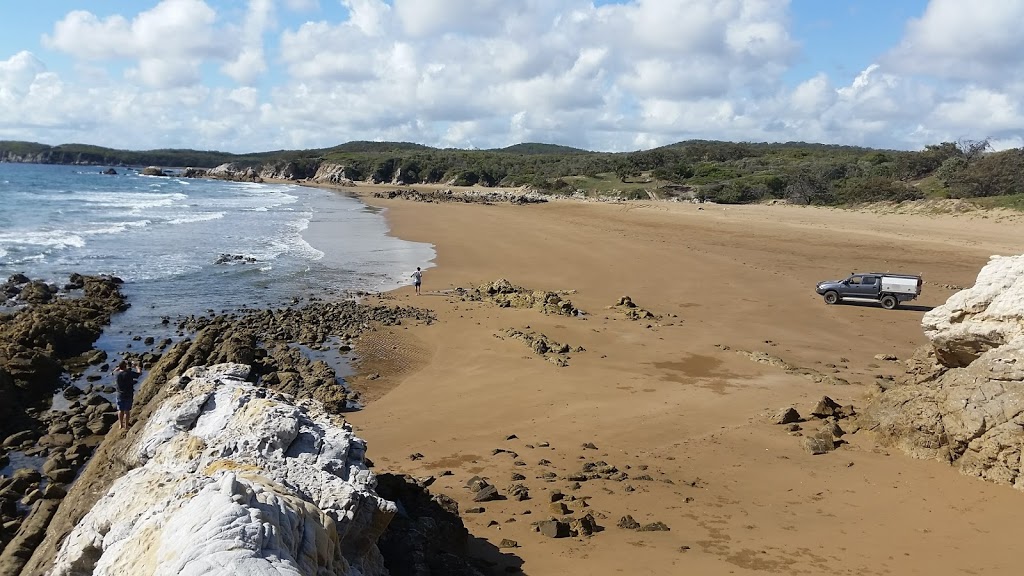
(258, 75)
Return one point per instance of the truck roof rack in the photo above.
(886, 274)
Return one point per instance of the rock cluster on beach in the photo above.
(37, 343)
(41, 342)
(962, 399)
(631, 311)
(464, 196)
(833, 421)
(53, 333)
(554, 352)
(227, 476)
(507, 295)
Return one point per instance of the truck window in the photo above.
(870, 280)
(855, 279)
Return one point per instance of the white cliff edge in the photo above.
(962, 400)
(988, 315)
(235, 479)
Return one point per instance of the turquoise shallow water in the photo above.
(163, 236)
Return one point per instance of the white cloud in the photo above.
(954, 39)
(169, 42)
(302, 5)
(249, 64)
(487, 73)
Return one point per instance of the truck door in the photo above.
(870, 286)
(852, 287)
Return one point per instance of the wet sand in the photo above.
(671, 402)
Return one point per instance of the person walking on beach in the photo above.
(417, 278)
(126, 377)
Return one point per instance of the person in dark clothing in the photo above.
(126, 377)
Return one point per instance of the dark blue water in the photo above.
(163, 236)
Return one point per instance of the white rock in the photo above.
(235, 479)
(986, 316)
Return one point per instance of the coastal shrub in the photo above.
(875, 189)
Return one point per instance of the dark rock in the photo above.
(476, 484)
(559, 508)
(19, 438)
(628, 523)
(72, 392)
(54, 491)
(428, 537)
(553, 529)
(62, 475)
(518, 492)
(55, 462)
(29, 535)
(589, 446)
(486, 494)
(506, 543)
(37, 292)
(517, 476)
(556, 495)
(654, 527)
(56, 441)
(833, 429)
(820, 443)
(787, 416)
(825, 407)
(476, 510)
(584, 526)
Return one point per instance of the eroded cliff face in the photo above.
(962, 399)
(227, 477)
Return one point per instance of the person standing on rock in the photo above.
(126, 377)
(417, 279)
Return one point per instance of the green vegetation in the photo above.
(724, 172)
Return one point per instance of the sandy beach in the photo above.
(673, 402)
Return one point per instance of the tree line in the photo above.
(725, 172)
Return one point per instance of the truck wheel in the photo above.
(889, 302)
(831, 297)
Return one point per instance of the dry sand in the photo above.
(739, 494)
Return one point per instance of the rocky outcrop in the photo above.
(337, 174)
(630, 310)
(554, 352)
(36, 342)
(234, 172)
(507, 295)
(962, 398)
(466, 196)
(153, 171)
(988, 316)
(230, 477)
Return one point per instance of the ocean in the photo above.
(164, 236)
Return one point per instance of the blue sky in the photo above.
(269, 74)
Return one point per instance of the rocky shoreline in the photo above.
(71, 457)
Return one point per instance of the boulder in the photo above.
(982, 318)
(825, 407)
(628, 523)
(37, 292)
(30, 533)
(962, 398)
(212, 466)
(486, 494)
(553, 528)
(821, 443)
(787, 416)
(153, 171)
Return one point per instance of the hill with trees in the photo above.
(724, 172)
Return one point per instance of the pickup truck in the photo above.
(886, 289)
